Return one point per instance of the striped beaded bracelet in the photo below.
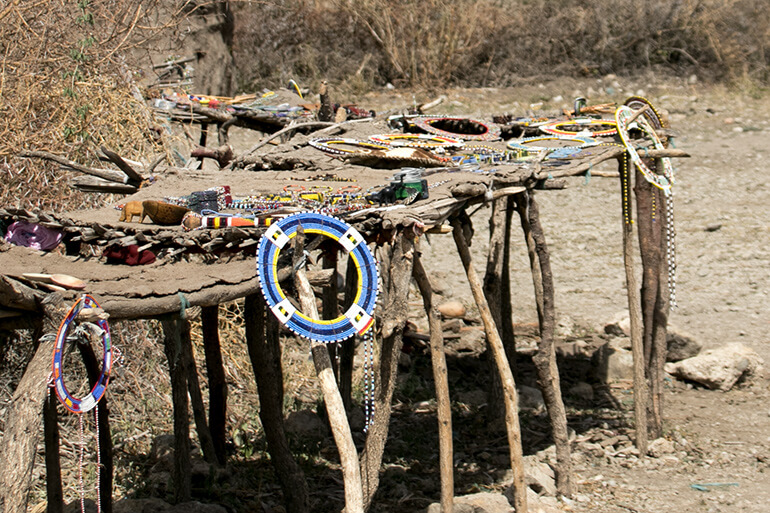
(88, 402)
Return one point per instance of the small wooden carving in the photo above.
(131, 209)
(163, 213)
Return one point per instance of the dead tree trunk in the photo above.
(510, 398)
(173, 333)
(545, 358)
(264, 352)
(217, 384)
(24, 419)
(522, 206)
(634, 310)
(393, 319)
(440, 378)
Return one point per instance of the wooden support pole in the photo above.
(335, 409)
(348, 347)
(329, 303)
(522, 206)
(173, 328)
(23, 418)
(265, 355)
(196, 400)
(441, 381)
(215, 371)
(396, 280)
(53, 486)
(634, 310)
(497, 290)
(509, 386)
(545, 358)
(93, 369)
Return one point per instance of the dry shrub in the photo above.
(486, 42)
(66, 87)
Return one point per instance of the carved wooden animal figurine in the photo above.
(163, 213)
(131, 209)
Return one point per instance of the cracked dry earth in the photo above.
(722, 205)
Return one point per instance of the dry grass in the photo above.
(488, 42)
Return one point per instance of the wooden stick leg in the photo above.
(394, 314)
(440, 378)
(635, 312)
(498, 351)
(217, 383)
(181, 475)
(338, 420)
(102, 411)
(264, 352)
(545, 358)
(54, 492)
(196, 401)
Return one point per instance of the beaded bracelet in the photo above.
(593, 126)
(89, 401)
(358, 318)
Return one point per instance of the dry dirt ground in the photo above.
(722, 203)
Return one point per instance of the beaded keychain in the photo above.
(91, 400)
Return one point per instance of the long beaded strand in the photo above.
(671, 247)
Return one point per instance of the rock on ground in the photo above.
(721, 368)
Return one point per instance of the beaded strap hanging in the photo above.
(623, 116)
(657, 121)
(91, 400)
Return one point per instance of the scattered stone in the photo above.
(452, 309)
(565, 327)
(454, 325)
(531, 398)
(660, 447)
(485, 502)
(151, 505)
(613, 364)
(573, 349)
(539, 476)
(713, 227)
(681, 345)
(721, 368)
(305, 423)
(620, 325)
(583, 391)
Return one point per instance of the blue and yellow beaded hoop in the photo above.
(88, 402)
(358, 318)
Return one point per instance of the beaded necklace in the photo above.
(581, 126)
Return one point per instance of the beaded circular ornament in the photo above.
(342, 145)
(623, 115)
(461, 128)
(428, 141)
(358, 318)
(88, 402)
(579, 126)
(527, 144)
